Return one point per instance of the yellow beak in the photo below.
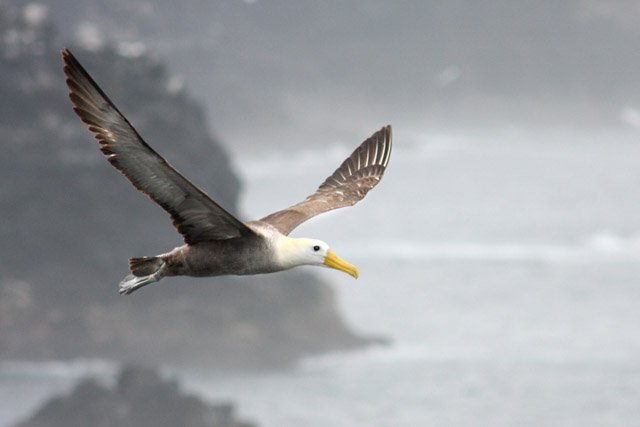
(334, 261)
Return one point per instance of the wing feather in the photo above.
(358, 174)
(196, 216)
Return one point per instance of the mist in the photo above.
(499, 255)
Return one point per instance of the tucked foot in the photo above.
(132, 283)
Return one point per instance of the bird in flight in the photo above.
(216, 242)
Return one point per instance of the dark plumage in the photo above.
(216, 242)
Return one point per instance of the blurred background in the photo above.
(500, 255)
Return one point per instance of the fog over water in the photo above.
(500, 254)
(502, 267)
(510, 296)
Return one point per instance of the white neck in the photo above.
(289, 252)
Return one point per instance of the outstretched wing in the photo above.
(358, 174)
(194, 214)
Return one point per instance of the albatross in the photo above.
(215, 241)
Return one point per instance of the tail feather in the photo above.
(145, 266)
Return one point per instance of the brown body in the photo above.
(237, 256)
(216, 242)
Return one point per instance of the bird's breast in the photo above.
(215, 258)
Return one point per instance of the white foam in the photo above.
(596, 248)
(72, 369)
(608, 242)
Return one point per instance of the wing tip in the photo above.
(388, 142)
(387, 132)
(71, 68)
(383, 135)
(382, 139)
(68, 59)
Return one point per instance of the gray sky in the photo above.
(296, 71)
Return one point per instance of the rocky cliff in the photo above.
(140, 397)
(69, 221)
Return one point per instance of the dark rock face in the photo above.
(69, 222)
(141, 398)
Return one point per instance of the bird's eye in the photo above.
(316, 248)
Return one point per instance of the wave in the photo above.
(409, 355)
(72, 369)
(600, 247)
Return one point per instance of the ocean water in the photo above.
(503, 266)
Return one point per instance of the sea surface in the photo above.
(504, 266)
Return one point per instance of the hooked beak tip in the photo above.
(334, 261)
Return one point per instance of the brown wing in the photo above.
(358, 174)
(194, 214)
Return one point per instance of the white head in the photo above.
(292, 252)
